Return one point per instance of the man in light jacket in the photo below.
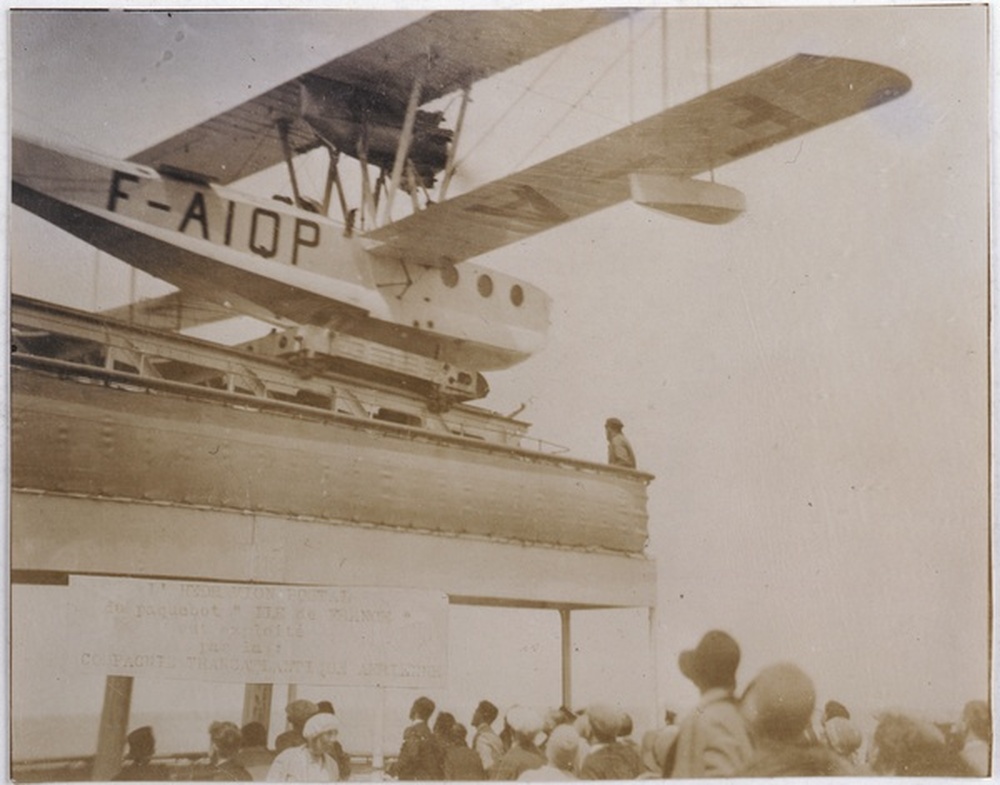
(713, 740)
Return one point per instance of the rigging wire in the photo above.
(527, 90)
(575, 105)
(97, 279)
(708, 69)
(570, 105)
(664, 61)
(631, 68)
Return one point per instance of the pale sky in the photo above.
(808, 384)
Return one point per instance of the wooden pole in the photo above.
(113, 729)
(257, 704)
(378, 734)
(567, 659)
(654, 670)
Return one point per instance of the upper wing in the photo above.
(770, 106)
(455, 47)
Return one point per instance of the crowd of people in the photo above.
(766, 731)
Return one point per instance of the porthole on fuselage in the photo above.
(449, 276)
(517, 295)
(485, 285)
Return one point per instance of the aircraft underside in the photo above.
(278, 264)
(241, 292)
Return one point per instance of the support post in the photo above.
(567, 658)
(114, 727)
(291, 695)
(257, 704)
(653, 671)
(378, 735)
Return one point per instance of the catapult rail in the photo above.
(92, 343)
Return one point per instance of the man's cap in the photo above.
(320, 723)
(614, 423)
(784, 698)
(605, 721)
(835, 709)
(299, 711)
(524, 720)
(713, 662)
(843, 735)
(141, 743)
(562, 745)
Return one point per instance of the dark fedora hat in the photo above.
(713, 662)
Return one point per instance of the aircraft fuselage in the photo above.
(274, 261)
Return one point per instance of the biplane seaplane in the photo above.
(408, 286)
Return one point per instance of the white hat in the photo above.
(320, 723)
(524, 720)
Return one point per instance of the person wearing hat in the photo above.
(609, 758)
(975, 729)
(778, 707)
(843, 737)
(254, 754)
(336, 750)
(312, 761)
(525, 725)
(419, 757)
(619, 450)
(225, 740)
(713, 740)
(460, 761)
(297, 713)
(560, 754)
(910, 746)
(486, 742)
(141, 748)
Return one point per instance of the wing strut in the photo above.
(332, 179)
(405, 137)
(449, 168)
(286, 147)
(368, 203)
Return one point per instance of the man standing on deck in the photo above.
(619, 450)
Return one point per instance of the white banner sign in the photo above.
(253, 633)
